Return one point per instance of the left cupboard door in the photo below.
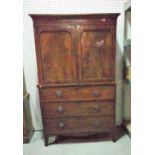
(55, 54)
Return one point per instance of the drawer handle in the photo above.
(97, 93)
(97, 123)
(60, 109)
(59, 94)
(61, 125)
(97, 107)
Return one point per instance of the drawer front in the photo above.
(77, 93)
(78, 108)
(78, 124)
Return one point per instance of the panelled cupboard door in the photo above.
(56, 53)
(96, 53)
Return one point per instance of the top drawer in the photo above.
(77, 93)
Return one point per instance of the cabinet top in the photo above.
(74, 16)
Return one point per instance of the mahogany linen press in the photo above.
(76, 73)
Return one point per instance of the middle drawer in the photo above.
(78, 108)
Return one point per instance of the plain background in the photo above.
(11, 69)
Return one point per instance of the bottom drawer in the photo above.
(78, 124)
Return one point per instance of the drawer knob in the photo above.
(97, 123)
(61, 125)
(97, 107)
(97, 93)
(60, 109)
(59, 94)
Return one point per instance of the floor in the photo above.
(36, 147)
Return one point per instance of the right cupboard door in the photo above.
(96, 53)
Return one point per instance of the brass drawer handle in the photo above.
(61, 125)
(97, 123)
(60, 109)
(97, 107)
(97, 93)
(59, 94)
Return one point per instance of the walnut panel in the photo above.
(96, 53)
(56, 53)
(91, 55)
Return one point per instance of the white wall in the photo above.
(67, 7)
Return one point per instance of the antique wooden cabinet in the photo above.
(76, 70)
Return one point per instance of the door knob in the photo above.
(100, 43)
